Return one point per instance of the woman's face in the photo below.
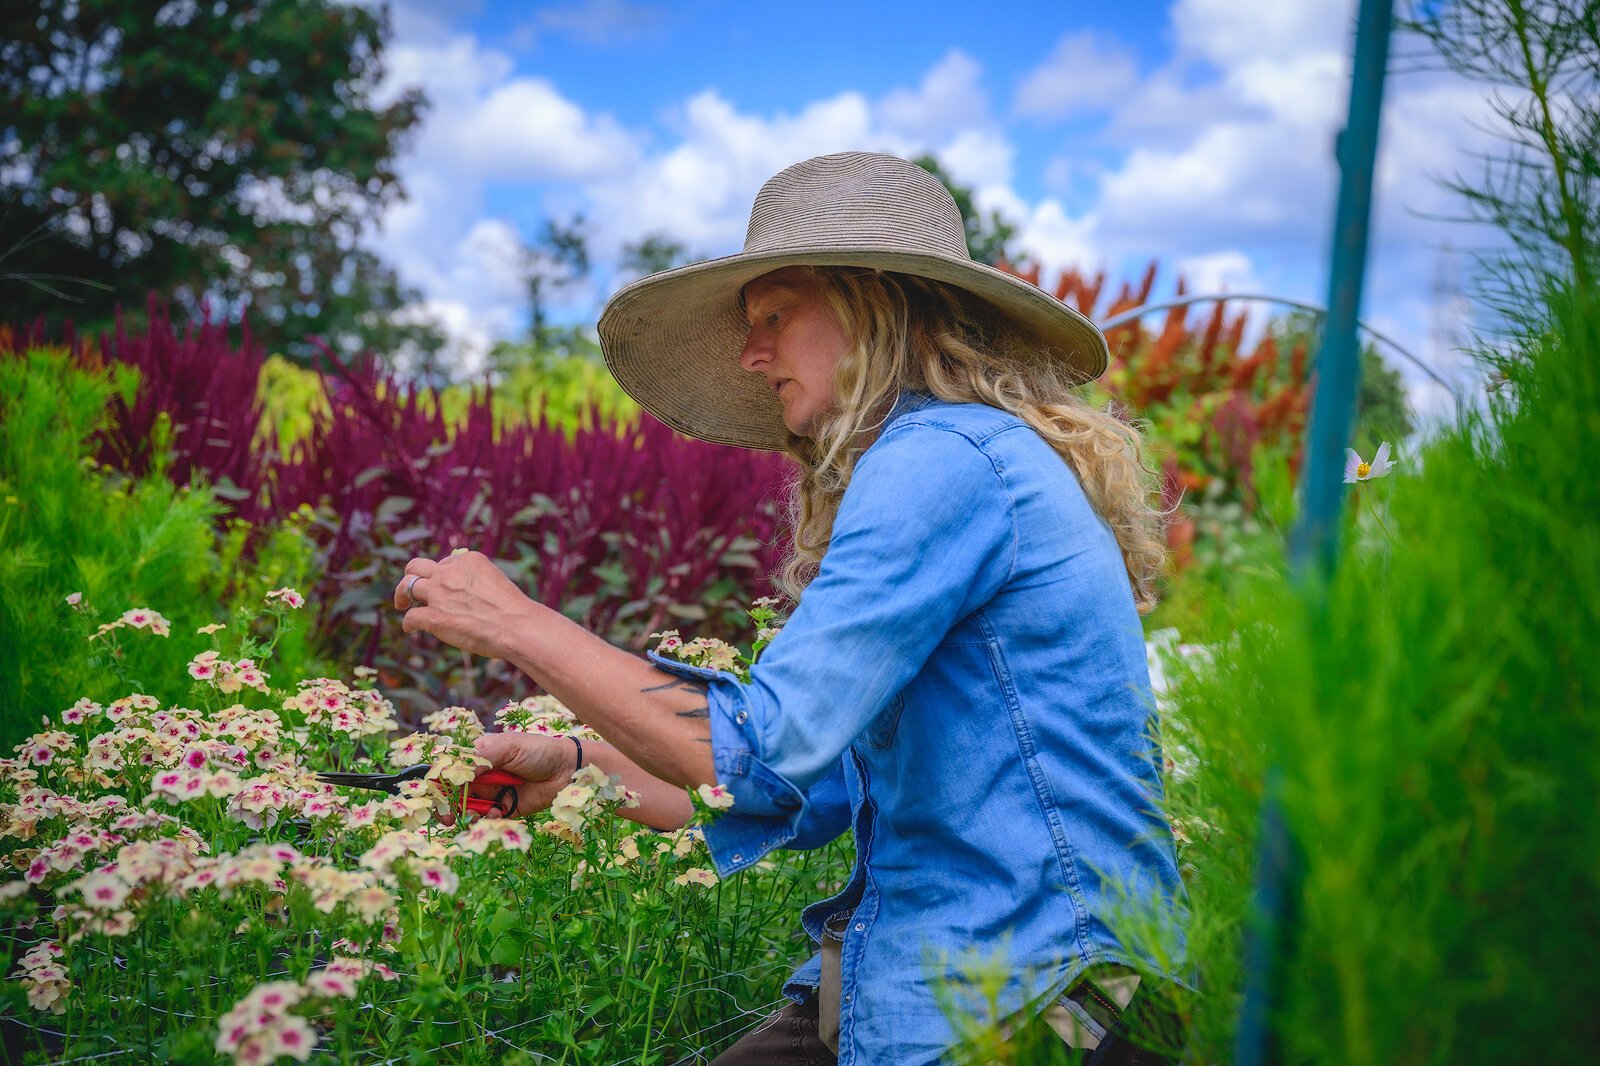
(794, 342)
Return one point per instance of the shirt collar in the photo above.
(907, 402)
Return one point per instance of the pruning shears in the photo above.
(504, 804)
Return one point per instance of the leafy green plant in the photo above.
(192, 843)
(1431, 712)
(72, 528)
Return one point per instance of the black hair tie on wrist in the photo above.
(579, 745)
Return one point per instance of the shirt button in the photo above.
(741, 717)
(738, 858)
(860, 928)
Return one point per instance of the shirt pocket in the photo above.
(880, 732)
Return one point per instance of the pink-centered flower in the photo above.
(289, 597)
(715, 796)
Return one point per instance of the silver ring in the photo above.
(412, 596)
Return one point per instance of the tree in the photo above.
(1542, 190)
(988, 236)
(657, 252)
(558, 261)
(226, 154)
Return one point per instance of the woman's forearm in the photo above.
(662, 805)
(660, 723)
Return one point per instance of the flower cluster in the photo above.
(333, 705)
(259, 801)
(44, 978)
(590, 789)
(288, 597)
(457, 723)
(262, 1027)
(100, 829)
(137, 618)
(225, 676)
(707, 652)
(486, 833)
(544, 715)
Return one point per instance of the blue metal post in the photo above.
(1313, 543)
(1314, 539)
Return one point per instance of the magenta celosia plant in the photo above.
(628, 527)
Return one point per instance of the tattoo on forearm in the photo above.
(694, 712)
(679, 683)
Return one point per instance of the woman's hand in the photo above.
(544, 763)
(464, 600)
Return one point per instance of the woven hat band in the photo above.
(856, 200)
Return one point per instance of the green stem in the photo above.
(1373, 507)
(1570, 214)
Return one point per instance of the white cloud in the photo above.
(1084, 72)
(1168, 105)
(948, 98)
(1229, 270)
(700, 190)
(1218, 162)
(1307, 90)
(978, 158)
(484, 124)
(1228, 32)
(1056, 240)
(527, 131)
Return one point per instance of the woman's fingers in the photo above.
(410, 591)
(465, 600)
(529, 756)
(408, 594)
(545, 763)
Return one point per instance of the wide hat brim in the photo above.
(672, 340)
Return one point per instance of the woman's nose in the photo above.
(757, 353)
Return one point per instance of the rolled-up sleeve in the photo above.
(924, 536)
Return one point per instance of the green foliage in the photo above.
(580, 938)
(67, 527)
(1382, 411)
(229, 151)
(655, 253)
(1540, 187)
(291, 398)
(569, 386)
(1431, 711)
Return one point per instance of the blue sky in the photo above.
(1193, 132)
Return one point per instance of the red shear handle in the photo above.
(504, 802)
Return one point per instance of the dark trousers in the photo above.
(788, 1037)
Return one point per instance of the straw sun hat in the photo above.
(673, 339)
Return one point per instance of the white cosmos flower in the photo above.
(1355, 469)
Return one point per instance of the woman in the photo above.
(962, 682)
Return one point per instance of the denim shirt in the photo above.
(964, 685)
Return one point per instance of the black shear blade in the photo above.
(378, 782)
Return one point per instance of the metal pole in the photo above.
(1314, 539)
(1313, 543)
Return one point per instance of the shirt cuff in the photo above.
(767, 807)
(804, 982)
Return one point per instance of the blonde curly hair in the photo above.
(909, 332)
